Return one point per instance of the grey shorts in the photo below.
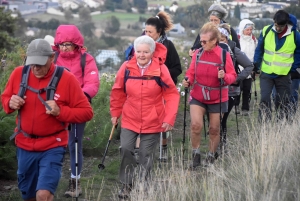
(211, 108)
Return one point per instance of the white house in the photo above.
(177, 29)
(91, 3)
(173, 8)
(70, 4)
(102, 57)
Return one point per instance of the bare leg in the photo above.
(44, 195)
(214, 131)
(197, 113)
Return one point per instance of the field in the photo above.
(181, 3)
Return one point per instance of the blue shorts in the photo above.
(39, 170)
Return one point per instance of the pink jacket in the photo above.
(206, 87)
(90, 82)
(145, 105)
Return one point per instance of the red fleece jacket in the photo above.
(74, 108)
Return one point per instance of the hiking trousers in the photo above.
(245, 93)
(282, 99)
(128, 165)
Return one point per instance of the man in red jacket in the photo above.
(41, 136)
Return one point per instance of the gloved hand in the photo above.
(256, 68)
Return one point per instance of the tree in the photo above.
(141, 5)
(85, 14)
(109, 5)
(237, 12)
(86, 24)
(8, 27)
(68, 15)
(112, 25)
(295, 10)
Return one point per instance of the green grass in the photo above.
(168, 3)
(124, 17)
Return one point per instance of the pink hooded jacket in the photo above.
(90, 82)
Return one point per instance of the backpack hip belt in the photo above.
(206, 90)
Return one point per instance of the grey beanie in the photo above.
(218, 11)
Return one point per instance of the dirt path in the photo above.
(92, 180)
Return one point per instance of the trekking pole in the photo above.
(221, 83)
(76, 161)
(255, 92)
(160, 149)
(101, 165)
(204, 126)
(236, 119)
(184, 120)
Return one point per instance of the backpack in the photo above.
(129, 53)
(82, 64)
(50, 91)
(156, 78)
(223, 59)
(226, 47)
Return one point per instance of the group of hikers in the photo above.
(59, 79)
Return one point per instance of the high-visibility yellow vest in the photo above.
(278, 62)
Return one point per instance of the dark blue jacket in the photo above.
(259, 51)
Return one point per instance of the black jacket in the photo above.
(172, 60)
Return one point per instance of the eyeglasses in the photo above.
(204, 41)
(67, 45)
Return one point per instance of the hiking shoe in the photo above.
(164, 155)
(196, 161)
(124, 192)
(245, 113)
(210, 159)
(136, 155)
(71, 192)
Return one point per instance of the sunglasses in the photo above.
(204, 41)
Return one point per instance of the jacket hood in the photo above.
(68, 33)
(160, 52)
(293, 22)
(243, 24)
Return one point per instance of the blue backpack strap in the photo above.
(129, 53)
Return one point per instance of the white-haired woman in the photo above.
(146, 108)
(248, 44)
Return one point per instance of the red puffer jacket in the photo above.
(206, 87)
(145, 105)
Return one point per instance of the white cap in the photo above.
(49, 39)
